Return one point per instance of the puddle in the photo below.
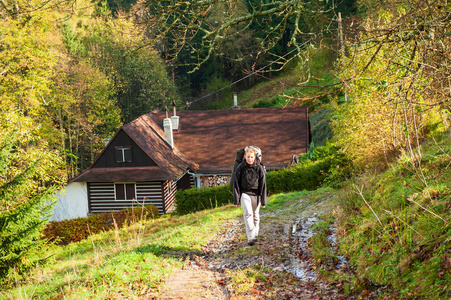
(303, 270)
(302, 231)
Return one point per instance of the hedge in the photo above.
(74, 230)
(192, 200)
(330, 166)
(306, 176)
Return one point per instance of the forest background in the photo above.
(73, 71)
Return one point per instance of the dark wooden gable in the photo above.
(132, 154)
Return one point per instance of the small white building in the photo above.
(72, 202)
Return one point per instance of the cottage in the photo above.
(151, 157)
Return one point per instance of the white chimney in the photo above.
(175, 120)
(167, 125)
(235, 100)
(106, 141)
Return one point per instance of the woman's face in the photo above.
(250, 157)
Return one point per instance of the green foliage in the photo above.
(192, 200)
(308, 175)
(204, 40)
(222, 99)
(71, 40)
(26, 202)
(115, 46)
(74, 230)
(318, 61)
(341, 167)
(397, 223)
(26, 63)
(390, 103)
(273, 102)
(69, 101)
(320, 126)
(329, 166)
(86, 110)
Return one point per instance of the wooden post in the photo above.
(342, 45)
(340, 33)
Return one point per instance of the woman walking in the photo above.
(249, 189)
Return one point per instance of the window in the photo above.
(124, 154)
(125, 191)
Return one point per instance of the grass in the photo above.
(271, 89)
(101, 267)
(321, 249)
(396, 226)
(134, 261)
(277, 92)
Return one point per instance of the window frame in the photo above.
(125, 191)
(126, 154)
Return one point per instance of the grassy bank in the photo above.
(134, 262)
(396, 226)
(122, 264)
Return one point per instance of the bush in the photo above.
(320, 127)
(328, 166)
(74, 230)
(273, 102)
(192, 200)
(306, 176)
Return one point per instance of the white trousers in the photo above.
(251, 215)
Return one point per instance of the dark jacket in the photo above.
(249, 179)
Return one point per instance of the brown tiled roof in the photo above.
(150, 137)
(206, 142)
(211, 138)
(172, 164)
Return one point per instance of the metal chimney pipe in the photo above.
(235, 100)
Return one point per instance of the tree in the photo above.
(115, 46)
(396, 70)
(26, 63)
(189, 25)
(26, 185)
(227, 39)
(84, 110)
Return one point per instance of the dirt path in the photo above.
(195, 283)
(282, 251)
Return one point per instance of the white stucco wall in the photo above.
(72, 202)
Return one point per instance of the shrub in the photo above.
(74, 230)
(273, 102)
(329, 166)
(192, 200)
(306, 176)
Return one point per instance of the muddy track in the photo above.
(282, 248)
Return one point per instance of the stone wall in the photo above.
(216, 180)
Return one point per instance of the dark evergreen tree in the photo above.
(24, 213)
